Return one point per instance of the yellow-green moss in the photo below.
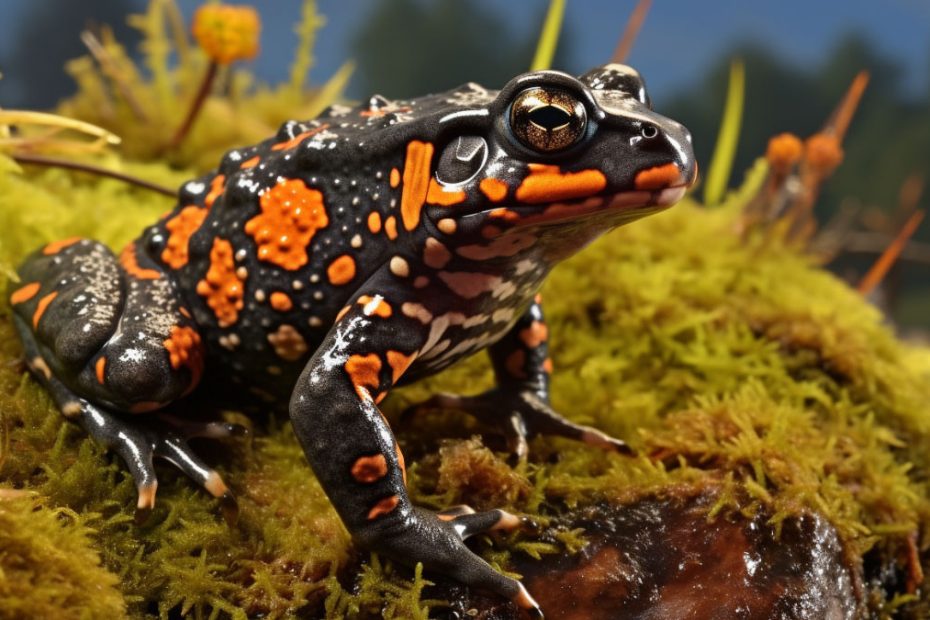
(742, 365)
(49, 567)
(728, 363)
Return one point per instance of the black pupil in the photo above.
(549, 117)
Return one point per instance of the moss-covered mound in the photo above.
(731, 364)
(741, 372)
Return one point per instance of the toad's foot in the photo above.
(520, 415)
(437, 541)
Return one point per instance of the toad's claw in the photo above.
(523, 600)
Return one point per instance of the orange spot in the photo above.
(390, 227)
(401, 463)
(395, 177)
(399, 363)
(534, 335)
(547, 365)
(127, 258)
(514, 364)
(374, 222)
(25, 293)
(100, 368)
(341, 271)
(416, 182)
(342, 313)
(657, 177)
(549, 184)
(281, 146)
(281, 302)
(184, 349)
(57, 246)
(217, 185)
(250, 163)
(375, 306)
(505, 214)
(221, 287)
(40, 308)
(494, 189)
(368, 469)
(437, 195)
(181, 227)
(291, 215)
(383, 507)
(363, 372)
(184, 312)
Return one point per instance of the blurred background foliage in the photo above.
(410, 47)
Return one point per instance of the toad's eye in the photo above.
(547, 120)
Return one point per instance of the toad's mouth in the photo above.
(623, 206)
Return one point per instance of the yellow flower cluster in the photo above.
(227, 32)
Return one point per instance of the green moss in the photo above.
(48, 563)
(733, 364)
(738, 365)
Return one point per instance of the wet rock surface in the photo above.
(659, 560)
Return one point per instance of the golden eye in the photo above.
(547, 120)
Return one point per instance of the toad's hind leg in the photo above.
(109, 338)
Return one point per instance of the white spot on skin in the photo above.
(502, 315)
(315, 321)
(370, 308)
(195, 187)
(315, 278)
(475, 320)
(524, 266)
(417, 311)
(260, 296)
(399, 267)
(229, 342)
(504, 290)
(356, 241)
(242, 273)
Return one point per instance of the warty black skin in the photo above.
(348, 254)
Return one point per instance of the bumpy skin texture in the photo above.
(365, 248)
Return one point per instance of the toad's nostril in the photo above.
(649, 131)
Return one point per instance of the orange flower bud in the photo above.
(227, 32)
(783, 152)
(823, 153)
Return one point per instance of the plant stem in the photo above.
(194, 110)
(54, 162)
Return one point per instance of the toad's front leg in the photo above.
(519, 405)
(358, 462)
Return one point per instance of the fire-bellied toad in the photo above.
(345, 255)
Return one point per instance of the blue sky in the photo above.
(680, 39)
